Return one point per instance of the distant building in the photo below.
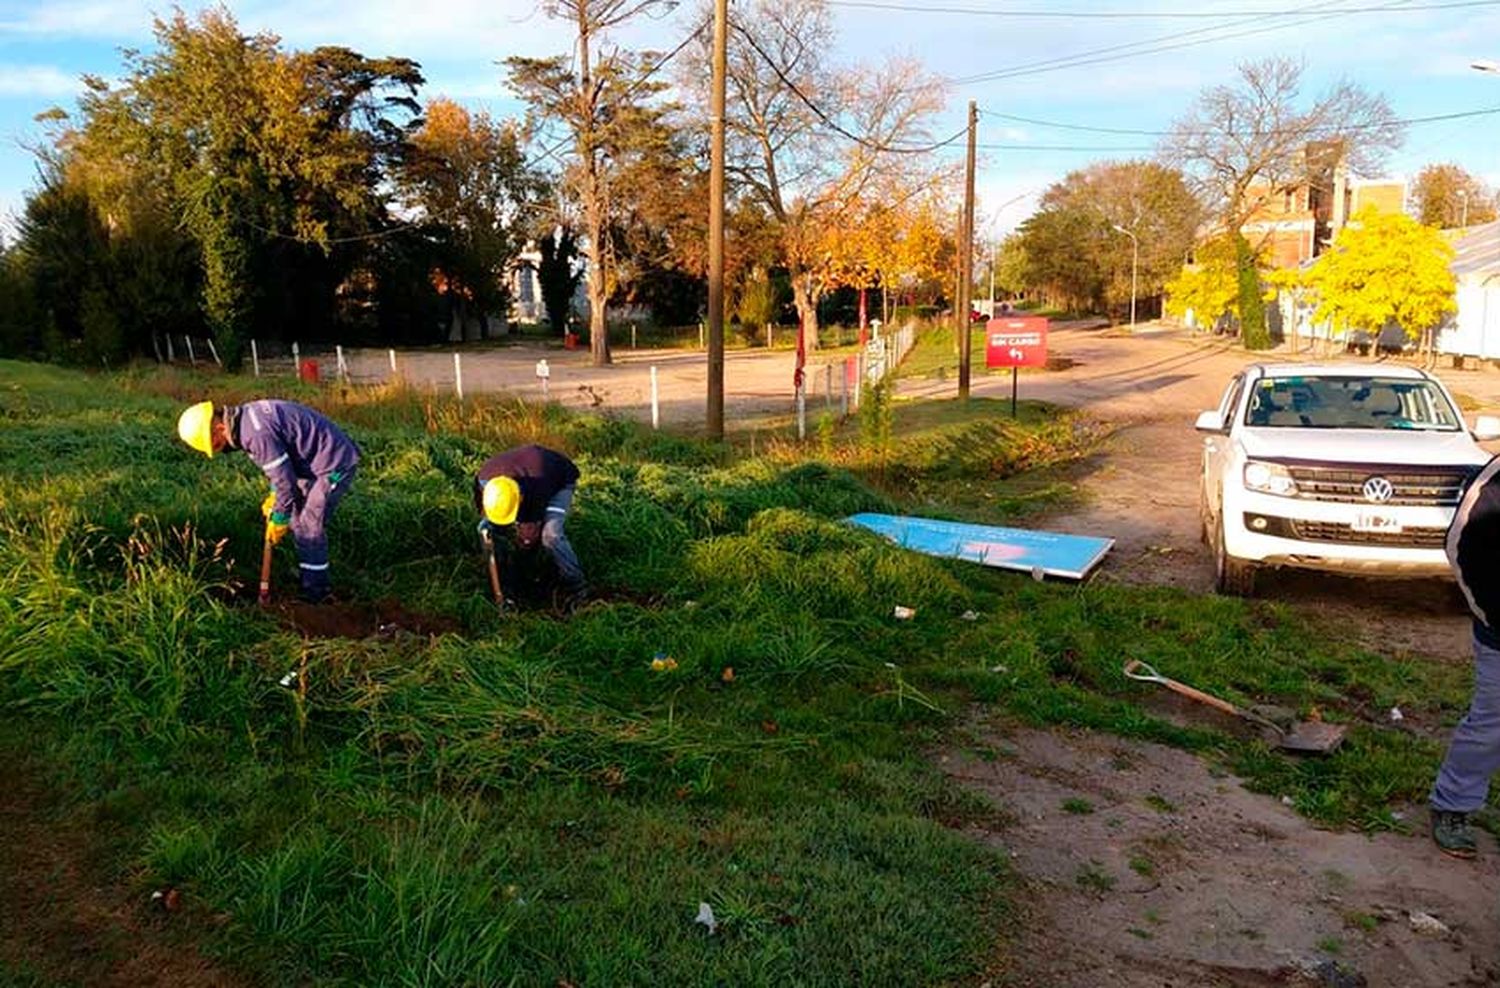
(1294, 224)
(526, 304)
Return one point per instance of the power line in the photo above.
(1333, 128)
(1064, 147)
(1150, 14)
(1145, 46)
(832, 124)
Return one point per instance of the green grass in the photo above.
(526, 802)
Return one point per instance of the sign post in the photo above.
(1016, 343)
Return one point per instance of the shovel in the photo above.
(1308, 737)
(265, 572)
(489, 556)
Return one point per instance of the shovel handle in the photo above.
(1152, 676)
(265, 573)
(494, 567)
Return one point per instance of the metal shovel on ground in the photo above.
(1307, 737)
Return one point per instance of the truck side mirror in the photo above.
(1486, 428)
(1212, 421)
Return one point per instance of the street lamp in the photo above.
(1135, 259)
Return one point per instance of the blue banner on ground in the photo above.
(1051, 553)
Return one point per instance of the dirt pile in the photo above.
(360, 620)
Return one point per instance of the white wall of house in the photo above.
(1475, 329)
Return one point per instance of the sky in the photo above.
(1124, 64)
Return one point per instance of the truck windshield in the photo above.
(1350, 403)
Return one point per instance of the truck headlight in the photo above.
(1269, 478)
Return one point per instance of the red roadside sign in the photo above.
(1016, 342)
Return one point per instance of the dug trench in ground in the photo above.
(66, 920)
(1148, 868)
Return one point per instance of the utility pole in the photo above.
(966, 260)
(716, 227)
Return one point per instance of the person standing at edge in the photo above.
(1463, 781)
(308, 460)
(532, 487)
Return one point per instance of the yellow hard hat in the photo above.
(196, 427)
(502, 499)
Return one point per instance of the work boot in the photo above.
(575, 598)
(1452, 833)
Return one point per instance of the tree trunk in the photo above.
(807, 309)
(598, 328)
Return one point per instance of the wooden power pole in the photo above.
(716, 227)
(963, 304)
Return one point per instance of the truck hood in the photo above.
(1382, 446)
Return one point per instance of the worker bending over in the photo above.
(531, 488)
(308, 460)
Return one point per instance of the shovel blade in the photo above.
(1313, 738)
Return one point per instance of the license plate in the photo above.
(1375, 521)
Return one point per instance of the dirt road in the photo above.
(757, 383)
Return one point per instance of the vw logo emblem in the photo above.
(1378, 490)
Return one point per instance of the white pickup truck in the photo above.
(1347, 468)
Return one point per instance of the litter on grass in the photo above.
(706, 917)
(1041, 554)
(904, 613)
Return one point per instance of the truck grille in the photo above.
(1430, 486)
(1328, 531)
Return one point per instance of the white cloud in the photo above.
(78, 19)
(37, 80)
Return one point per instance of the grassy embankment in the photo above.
(526, 802)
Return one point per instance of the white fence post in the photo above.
(544, 374)
(828, 387)
(802, 410)
(458, 376)
(255, 357)
(632, 336)
(655, 401)
(844, 373)
(215, 351)
(343, 367)
(392, 354)
(296, 360)
(192, 357)
(171, 354)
